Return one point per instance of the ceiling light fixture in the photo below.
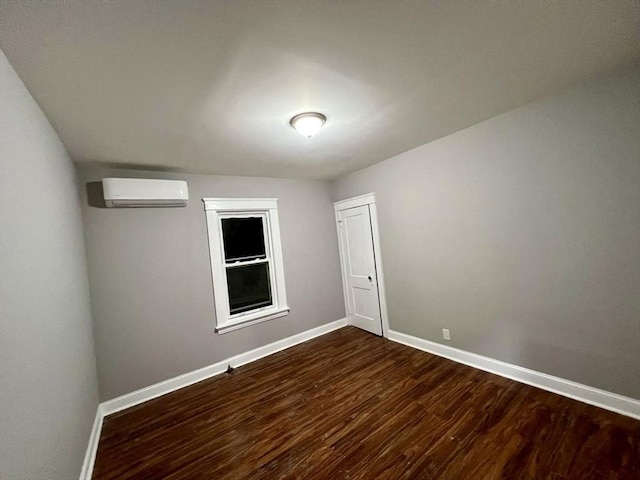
(308, 123)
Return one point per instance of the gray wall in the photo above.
(522, 235)
(150, 277)
(48, 383)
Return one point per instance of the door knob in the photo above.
(370, 279)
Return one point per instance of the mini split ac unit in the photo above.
(140, 192)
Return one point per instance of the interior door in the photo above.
(359, 266)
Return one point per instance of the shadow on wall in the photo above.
(130, 166)
(95, 195)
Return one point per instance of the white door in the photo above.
(359, 267)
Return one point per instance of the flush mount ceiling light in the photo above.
(308, 123)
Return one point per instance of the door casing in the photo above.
(359, 201)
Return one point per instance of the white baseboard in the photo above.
(577, 391)
(599, 398)
(153, 391)
(145, 394)
(167, 386)
(92, 448)
(274, 347)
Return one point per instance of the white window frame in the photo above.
(267, 208)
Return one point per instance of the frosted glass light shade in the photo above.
(308, 124)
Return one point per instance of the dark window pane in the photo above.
(243, 238)
(249, 287)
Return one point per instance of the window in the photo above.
(246, 261)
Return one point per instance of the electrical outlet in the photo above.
(445, 334)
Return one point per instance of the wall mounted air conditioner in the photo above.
(140, 192)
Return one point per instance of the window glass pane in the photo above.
(249, 287)
(243, 238)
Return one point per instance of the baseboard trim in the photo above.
(261, 352)
(145, 394)
(167, 386)
(92, 448)
(162, 388)
(577, 391)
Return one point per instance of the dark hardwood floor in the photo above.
(350, 405)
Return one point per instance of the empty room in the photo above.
(324, 240)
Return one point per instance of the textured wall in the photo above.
(522, 235)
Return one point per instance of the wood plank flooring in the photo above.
(350, 405)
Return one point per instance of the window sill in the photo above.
(252, 319)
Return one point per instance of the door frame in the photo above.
(368, 199)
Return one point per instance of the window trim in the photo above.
(215, 210)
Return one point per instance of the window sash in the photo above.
(262, 217)
(262, 305)
(266, 234)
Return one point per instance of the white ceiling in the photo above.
(209, 86)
